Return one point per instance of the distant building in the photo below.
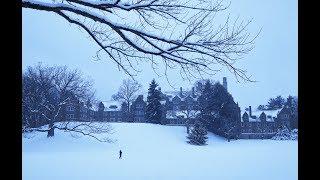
(75, 110)
(287, 117)
(262, 124)
(181, 108)
(138, 109)
(112, 111)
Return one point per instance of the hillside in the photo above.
(156, 152)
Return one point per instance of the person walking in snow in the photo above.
(120, 154)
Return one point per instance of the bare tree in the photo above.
(46, 91)
(127, 92)
(171, 33)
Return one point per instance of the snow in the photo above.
(108, 105)
(156, 152)
(173, 114)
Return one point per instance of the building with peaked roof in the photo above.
(181, 108)
(262, 124)
(138, 109)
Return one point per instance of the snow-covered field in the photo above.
(155, 152)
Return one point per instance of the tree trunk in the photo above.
(51, 130)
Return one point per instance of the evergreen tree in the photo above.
(198, 134)
(219, 112)
(292, 103)
(276, 103)
(88, 104)
(153, 108)
(261, 107)
(206, 103)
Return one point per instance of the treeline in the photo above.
(279, 102)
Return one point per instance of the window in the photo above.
(70, 116)
(70, 108)
(139, 106)
(139, 112)
(35, 116)
(285, 116)
(112, 119)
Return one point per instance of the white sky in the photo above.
(48, 38)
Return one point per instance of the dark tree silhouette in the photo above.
(153, 108)
(198, 134)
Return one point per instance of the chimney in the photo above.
(180, 91)
(225, 83)
(250, 113)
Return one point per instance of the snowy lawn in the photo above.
(155, 152)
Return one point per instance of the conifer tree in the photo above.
(219, 112)
(153, 108)
(206, 102)
(198, 134)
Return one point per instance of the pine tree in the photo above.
(219, 112)
(292, 103)
(276, 103)
(206, 103)
(153, 108)
(198, 134)
(228, 121)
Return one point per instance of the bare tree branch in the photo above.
(174, 32)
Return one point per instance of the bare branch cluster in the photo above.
(90, 129)
(127, 92)
(173, 33)
(46, 92)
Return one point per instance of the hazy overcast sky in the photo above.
(273, 63)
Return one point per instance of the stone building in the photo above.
(181, 108)
(112, 111)
(138, 109)
(264, 124)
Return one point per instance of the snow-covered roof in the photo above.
(163, 102)
(172, 94)
(182, 113)
(112, 105)
(270, 114)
